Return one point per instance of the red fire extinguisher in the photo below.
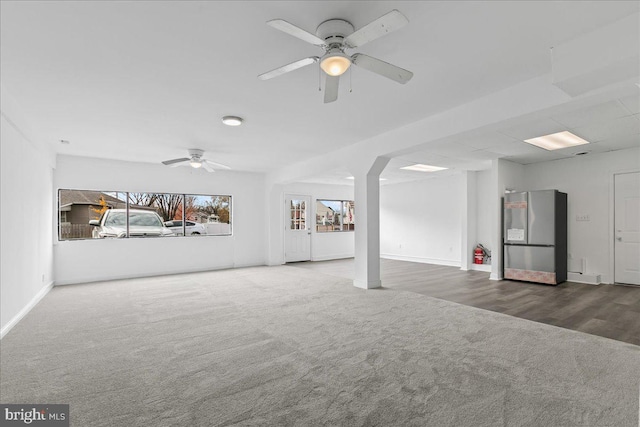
(478, 255)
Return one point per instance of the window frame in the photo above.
(127, 202)
(343, 210)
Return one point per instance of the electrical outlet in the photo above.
(583, 217)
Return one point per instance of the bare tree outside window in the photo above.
(87, 214)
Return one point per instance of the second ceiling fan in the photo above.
(335, 36)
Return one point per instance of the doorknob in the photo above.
(619, 239)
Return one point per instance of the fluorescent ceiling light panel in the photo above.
(423, 168)
(557, 141)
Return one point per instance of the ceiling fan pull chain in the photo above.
(319, 78)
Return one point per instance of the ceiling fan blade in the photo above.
(215, 165)
(378, 28)
(206, 167)
(175, 162)
(289, 28)
(385, 69)
(289, 67)
(331, 84)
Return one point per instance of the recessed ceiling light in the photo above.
(557, 141)
(423, 168)
(232, 120)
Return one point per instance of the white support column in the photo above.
(367, 231)
(468, 218)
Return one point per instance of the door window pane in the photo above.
(298, 215)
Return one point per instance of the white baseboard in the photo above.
(437, 261)
(159, 273)
(26, 309)
(590, 279)
(367, 285)
(330, 257)
(481, 267)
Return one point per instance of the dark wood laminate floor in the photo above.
(610, 311)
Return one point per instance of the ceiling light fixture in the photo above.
(423, 168)
(195, 163)
(335, 62)
(232, 120)
(557, 141)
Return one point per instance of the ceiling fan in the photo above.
(335, 36)
(196, 161)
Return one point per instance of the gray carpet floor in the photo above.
(288, 346)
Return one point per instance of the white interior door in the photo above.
(627, 228)
(297, 228)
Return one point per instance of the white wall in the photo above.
(505, 175)
(93, 260)
(588, 182)
(420, 221)
(26, 222)
(483, 209)
(324, 246)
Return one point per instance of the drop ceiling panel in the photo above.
(534, 158)
(534, 129)
(591, 115)
(619, 143)
(488, 140)
(631, 103)
(485, 155)
(624, 126)
(451, 149)
(516, 148)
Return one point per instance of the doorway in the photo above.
(297, 228)
(627, 228)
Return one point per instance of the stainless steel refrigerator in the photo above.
(535, 236)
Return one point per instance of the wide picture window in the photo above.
(89, 214)
(335, 215)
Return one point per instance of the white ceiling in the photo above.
(148, 80)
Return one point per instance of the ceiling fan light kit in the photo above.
(334, 37)
(335, 63)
